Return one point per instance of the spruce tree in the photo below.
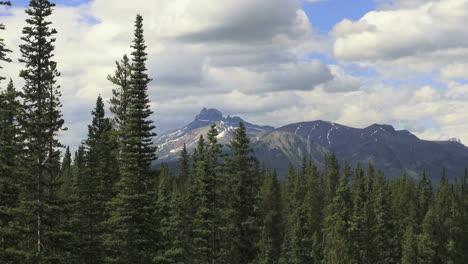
(41, 123)
(173, 233)
(409, 247)
(209, 223)
(435, 237)
(338, 239)
(3, 49)
(241, 169)
(424, 196)
(270, 206)
(184, 165)
(120, 94)
(332, 176)
(384, 241)
(10, 172)
(132, 232)
(459, 228)
(95, 186)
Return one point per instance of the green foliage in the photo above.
(132, 219)
(40, 206)
(337, 228)
(10, 172)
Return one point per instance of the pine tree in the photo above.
(270, 206)
(332, 176)
(10, 172)
(359, 224)
(95, 186)
(241, 168)
(41, 123)
(209, 223)
(3, 49)
(132, 232)
(299, 241)
(424, 196)
(459, 228)
(404, 201)
(409, 247)
(435, 237)
(184, 165)
(338, 240)
(174, 237)
(120, 99)
(314, 205)
(384, 241)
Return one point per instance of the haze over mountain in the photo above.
(393, 151)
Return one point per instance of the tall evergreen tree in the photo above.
(338, 239)
(41, 123)
(409, 247)
(10, 172)
(132, 235)
(184, 165)
(424, 196)
(241, 168)
(120, 94)
(3, 49)
(332, 177)
(95, 187)
(384, 241)
(209, 215)
(270, 206)
(435, 237)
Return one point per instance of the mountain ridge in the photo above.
(393, 151)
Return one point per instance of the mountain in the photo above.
(393, 151)
(172, 142)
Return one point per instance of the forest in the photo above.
(106, 203)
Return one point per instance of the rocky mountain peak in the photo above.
(211, 115)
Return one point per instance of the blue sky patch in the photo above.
(324, 15)
(58, 2)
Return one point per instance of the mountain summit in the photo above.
(393, 151)
(211, 115)
(171, 143)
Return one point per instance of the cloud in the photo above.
(405, 35)
(245, 54)
(253, 58)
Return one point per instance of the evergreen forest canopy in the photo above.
(107, 205)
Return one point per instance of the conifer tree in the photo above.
(338, 239)
(3, 49)
(435, 237)
(120, 94)
(174, 237)
(424, 196)
(270, 206)
(409, 247)
(10, 172)
(332, 176)
(209, 224)
(241, 168)
(132, 231)
(95, 186)
(41, 123)
(384, 242)
(459, 229)
(184, 165)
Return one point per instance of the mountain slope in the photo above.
(171, 143)
(394, 152)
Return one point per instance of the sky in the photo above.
(272, 62)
